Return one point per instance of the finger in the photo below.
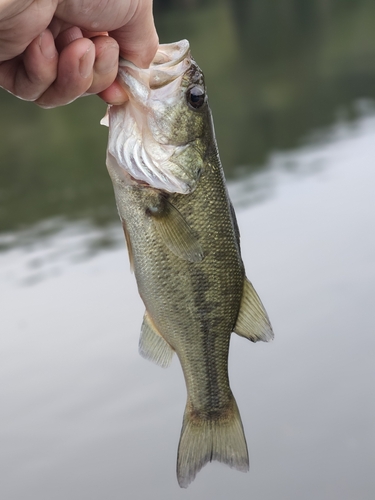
(67, 36)
(114, 94)
(138, 39)
(57, 26)
(29, 75)
(106, 63)
(106, 55)
(74, 74)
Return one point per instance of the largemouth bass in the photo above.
(184, 246)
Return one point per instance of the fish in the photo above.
(183, 242)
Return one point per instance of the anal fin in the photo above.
(152, 345)
(252, 321)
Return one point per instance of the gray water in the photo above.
(82, 415)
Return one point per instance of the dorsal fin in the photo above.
(252, 321)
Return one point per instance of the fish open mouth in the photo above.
(171, 61)
(143, 136)
(171, 53)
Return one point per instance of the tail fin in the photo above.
(205, 439)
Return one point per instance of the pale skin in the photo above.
(53, 51)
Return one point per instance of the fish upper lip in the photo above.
(171, 62)
(167, 55)
(170, 54)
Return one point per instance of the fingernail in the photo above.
(86, 62)
(108, 60)
(47, 45)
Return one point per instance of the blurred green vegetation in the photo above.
(52, 162)
(276, 72)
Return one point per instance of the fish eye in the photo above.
(196, 97)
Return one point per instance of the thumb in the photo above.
(138, 39)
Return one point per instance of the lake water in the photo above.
(82, 415)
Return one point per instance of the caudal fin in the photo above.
(218, 438)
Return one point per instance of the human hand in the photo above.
(53, 51)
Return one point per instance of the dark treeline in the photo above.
(277, 71)
(298, 64)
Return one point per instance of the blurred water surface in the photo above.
(82, 416)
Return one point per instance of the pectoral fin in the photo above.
(252, 321)
(176, 233)
(152, 345)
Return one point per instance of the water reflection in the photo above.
(275, 75)
(278, 71)
(46, 249)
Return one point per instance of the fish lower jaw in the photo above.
(138, 182)
(129, 180)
